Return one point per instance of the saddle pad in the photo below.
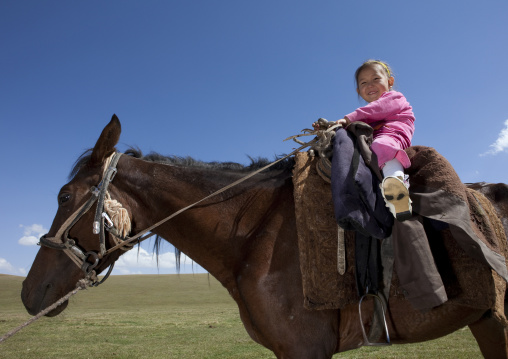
(323, 287)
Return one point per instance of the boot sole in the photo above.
(402, 203)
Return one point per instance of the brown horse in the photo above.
(245, 237)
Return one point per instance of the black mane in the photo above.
(256, 163)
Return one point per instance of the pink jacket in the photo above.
(392, 118)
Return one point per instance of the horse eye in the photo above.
(64, 198)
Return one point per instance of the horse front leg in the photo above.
(492, 337)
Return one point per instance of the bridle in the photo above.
(88, 260)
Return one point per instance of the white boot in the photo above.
(395, 190)
(396, 194)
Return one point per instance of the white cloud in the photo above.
(501, 143)
(32, 234)
(143, 259)
(6, 267)
(28, 240)
(146, 263)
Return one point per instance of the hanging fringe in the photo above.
(119, 216)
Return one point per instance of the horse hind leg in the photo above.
(492, 336)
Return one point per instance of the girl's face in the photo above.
(373, 81)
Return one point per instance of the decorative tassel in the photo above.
(119, 216)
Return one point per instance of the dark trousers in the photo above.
(415, 266)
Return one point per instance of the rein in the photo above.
(82, 284)
(322, 140)
(102, 222)
(132, 239)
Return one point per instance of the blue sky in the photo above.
(224, 80)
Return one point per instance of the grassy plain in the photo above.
(164, 316)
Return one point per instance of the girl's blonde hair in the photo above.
(369, 63)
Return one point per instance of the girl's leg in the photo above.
(393, 168)
(392, 160)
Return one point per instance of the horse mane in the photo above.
(187, 161)
(256, 163)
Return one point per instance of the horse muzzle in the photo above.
(36, 299)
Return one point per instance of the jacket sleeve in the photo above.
(390, 103)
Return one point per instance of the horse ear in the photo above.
(105, 145)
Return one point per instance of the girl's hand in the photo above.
(315, 126)
(343, 122)
(323, 124)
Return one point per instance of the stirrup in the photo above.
(366, 341)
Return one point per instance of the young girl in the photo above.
(390, 115)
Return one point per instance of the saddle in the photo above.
(465, 244)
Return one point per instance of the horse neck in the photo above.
(214, 233)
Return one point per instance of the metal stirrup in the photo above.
(366, 341)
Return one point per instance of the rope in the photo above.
(82, 284)
(322, 140)
(119, 215)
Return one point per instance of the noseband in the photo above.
(88, 260)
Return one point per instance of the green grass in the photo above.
(164, 316)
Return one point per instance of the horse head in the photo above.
(71, 250)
